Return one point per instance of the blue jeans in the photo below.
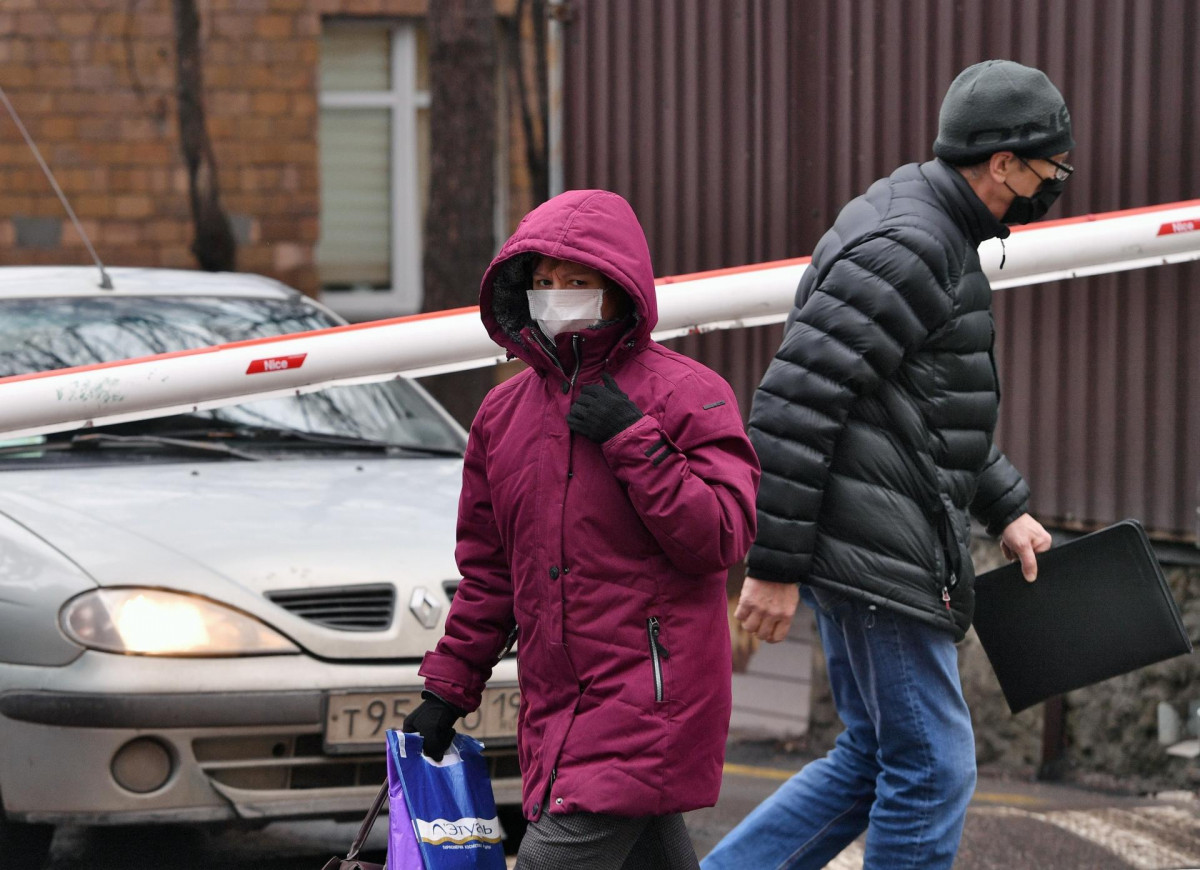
(903, 770)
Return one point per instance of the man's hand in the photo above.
(1022, 538)
(766, 609)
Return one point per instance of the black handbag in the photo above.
(351, 861)
(1101, 607)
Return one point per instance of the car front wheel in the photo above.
(23, 846)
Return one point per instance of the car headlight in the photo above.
(161, 623)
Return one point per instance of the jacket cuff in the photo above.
(997, 527)
(768, 577)
(768, 574)
(452, 681)
(453, 708)
(775, 566)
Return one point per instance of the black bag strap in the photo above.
(369, 822)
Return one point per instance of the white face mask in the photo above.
(558, 311)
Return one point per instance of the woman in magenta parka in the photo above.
(606, 490)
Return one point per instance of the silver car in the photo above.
(214, 617)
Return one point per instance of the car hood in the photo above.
(235, 531)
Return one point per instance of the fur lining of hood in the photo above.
(510, 282)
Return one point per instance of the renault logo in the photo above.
(425, 607)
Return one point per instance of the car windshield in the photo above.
(37, 334)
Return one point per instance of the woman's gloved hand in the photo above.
(434, 721)
(601, 412)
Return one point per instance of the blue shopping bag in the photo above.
(443, 814)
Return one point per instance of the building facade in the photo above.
(318, 116)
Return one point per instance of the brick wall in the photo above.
(94, 84)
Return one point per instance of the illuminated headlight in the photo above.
(161, 623)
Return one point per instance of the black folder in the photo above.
(1100, 607)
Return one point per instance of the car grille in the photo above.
(298, 761)
(346, 608)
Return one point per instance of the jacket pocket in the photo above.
(658, 654)
(951, 541)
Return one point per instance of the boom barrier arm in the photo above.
(448, 341)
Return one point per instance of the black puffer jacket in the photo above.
(874, 421)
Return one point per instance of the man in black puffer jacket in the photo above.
(874, 428)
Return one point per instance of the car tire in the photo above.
(23, 846)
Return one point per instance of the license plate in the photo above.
(358, 720)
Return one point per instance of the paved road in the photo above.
(1011, 824)
(291, 846)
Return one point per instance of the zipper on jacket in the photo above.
(948, 545)
(658, 653)
(576, 340)
(547, 347)
(567, 387)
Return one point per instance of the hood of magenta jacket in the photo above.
(594, 227)
(610, 559)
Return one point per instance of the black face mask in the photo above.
(1026, 209)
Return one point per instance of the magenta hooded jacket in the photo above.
(611, 559)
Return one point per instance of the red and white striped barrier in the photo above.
(454, 340)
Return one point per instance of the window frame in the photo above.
(404, 101)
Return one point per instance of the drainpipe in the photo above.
(560, 15)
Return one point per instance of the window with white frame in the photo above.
(374, 146)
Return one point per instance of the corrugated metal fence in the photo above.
(738, 128)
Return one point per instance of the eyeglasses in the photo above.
(1062, 171)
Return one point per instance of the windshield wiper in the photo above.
(263, 434)
(186, 444)
(350, 442)
(97, 440)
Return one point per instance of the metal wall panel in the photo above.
(738, 128)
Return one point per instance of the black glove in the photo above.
(601, 412)
(434, 721)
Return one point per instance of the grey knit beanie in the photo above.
(1000, 105)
